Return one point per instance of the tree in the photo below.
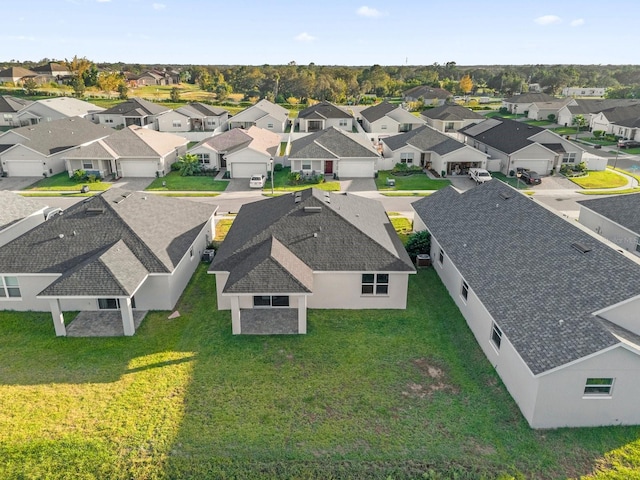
(174, 94)
(110, 82)
(222, 91)
(418, 243)
(78, 67)
(579, 122)
(30, 86)
(123, 91)
(189, 165)
(466, 84)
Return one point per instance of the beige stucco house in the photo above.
(450, 117)
(323, 115)
(134, 111)
(263, 114)
(388, 119)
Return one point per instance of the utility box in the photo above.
(423, 260)
(208, 254)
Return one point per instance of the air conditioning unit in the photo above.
(208, 254)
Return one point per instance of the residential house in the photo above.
(18, 215)
(542, 110)
(50, 109)
(388, 119)
(263, 114)
(9, 108)
(614, 217)
(122, 251)
(588, 108)
(623, 122)
(38, 150)
(334, 151)
(584, 91)
(242, 152)
(430, 149)
(519, 145)
(131, 152)
(429, 95)
(53, 72)
(16, 75)
(311, 249)
(520, 104)
(194, 117)
(323, 115)
(134, 111)
(154, 77)
(450, 117)
(550, 305)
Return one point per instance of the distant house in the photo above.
(130, 152)
(311, 249)
(518, 145)
(134, 111)
(53, 71)
(542, 110)
(428, 148)
(334, 151)
(615, 218)
(263, 114)
(450, 118)
(430, 95)
(623, 121)
(324, 115)
(568, 355)
(194, 117)
(520, 104)
(16, 75)
(18, 215)
(589, 108)
(388, 119)
(118, 251)
(50, 109)
(9, 108)
(38, 150)
(584, 91)
(242, 152)
(153, 77)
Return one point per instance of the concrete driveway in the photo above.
(16, 183)
(239, 185)
(132, 184)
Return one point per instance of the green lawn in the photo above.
(603, 179)
(61, 182)
(513, 181)
(402, 225)
(364, 395)
(538, 123)
(410, 182)
(176, 182)
(281, 183)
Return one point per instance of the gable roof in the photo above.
(376, 112)
(51, 68)
(324, 110)
(427, 92)
(626, 115)
(17, 72)
(503, 134)
(16, 207)
(585, 106)
(283, 239)
(256, 138)
(136, 107)
(515, 255)
(621, 209)
(261, 109)
(9, 104)
(332, 143)
(424, 139)
(531, 97)
(69, 106)
(452, 112)
(197, 109)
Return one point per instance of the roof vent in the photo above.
(505, 195)
(312, 209)
(122, 198)
(580, 247)
(94, 211)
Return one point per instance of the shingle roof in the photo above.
(256, 138)
(70, 107)
(322, 231)
(427, 92)
(16, 207)
(264, 107)
(452, 112)
(51, 68)
(425, 139)
(136, 141)
(332, 143)
(598, 105)
(9, 104)
(517, 257)
(530, 98)
(621, 209)
(323, 110)
(17, 72)
(621, 114)
(376, 112)
(199, 109)
(136, 107)
(503, 134)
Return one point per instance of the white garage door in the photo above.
(246, 170)
(24, 168)
(356, 169)
(137, 168)
(537, 165)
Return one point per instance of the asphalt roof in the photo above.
(452, 112)
(9, 104)
(376, 112)
(598, 105)
(274, 245)
(532, 97)
(16, 207)
(69, 106)
(425, 139)
(621, 209)
(518, 258)
(136, 107)
(503, 134)
(427, 92)
(323, 109)
(265, 107)
(332, 143)
(203, 109)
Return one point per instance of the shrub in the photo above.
(418, 243)
(79, 175)
(503, 110)
(93, 178)
(598, 133)
(294, 178)
(278, 167)
(175, 166)
(551, 117)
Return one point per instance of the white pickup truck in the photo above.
(479, 175)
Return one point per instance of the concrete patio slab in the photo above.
(101, 323)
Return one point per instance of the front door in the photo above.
(328, 167)
(223, 161)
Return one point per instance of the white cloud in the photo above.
(305, 37)
(103, 1)
(365, 11)
(159, 6)
(548, 20)
(577, 22)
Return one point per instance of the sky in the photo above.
(325, 32)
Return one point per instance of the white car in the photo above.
(479, 175)
(257, 181)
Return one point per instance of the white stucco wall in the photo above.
(118, 120)
(619, 235)
(247, 162)
(264, 122)
(22, 226)
(22, 161)
(165, 122)
(624, 314)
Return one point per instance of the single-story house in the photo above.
(430, 95)
(622, 121)
(430, 149)
(542, 110)
(38, 150)
(242, 152)
(388, 119)
(588, 108)
(334, 151)
(16, 75)
(130, 152)
(519, 145)
(584, 91)
(551, 306)
(614, 217)
(53, 71)
(520, 104)
(311, 249)
(199, 118)
(323, 115)
(134, 111)
(263, 114)
(121, 251)
(50, 109)
(450, 117)
(9, 108)
(19, 215)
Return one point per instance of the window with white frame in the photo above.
(177, 123)
(9, 287)
(211, 122)
(383, 127)
(269, 125)
(406, 157)
(270, 301)
(306, 165)
(8, 116)
(441, 257)
(464, 291)
(87, 165)
(203, 158)
(343, 122)
(598, 387)
(375, 284)
(569, 157)
(113, 303)
(496, 336)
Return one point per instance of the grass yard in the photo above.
(61, 182)
(222, 228)
(538, 123)
(410, 182)
(513, 181)
(364, 395)
(601, 179)
(176, 182)
(281, 183)
(402, 225)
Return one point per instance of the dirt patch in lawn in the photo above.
(433, 379)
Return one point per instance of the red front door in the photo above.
(328, 166)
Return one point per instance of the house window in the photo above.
(449, 126)
(375, 284)
(383, 127)
(9, 287)
(598, 386)
(211, 122)
(203, 158)
(343, 122)
(87, 165)
(113, 303)
(441, 257)
(177, 123)
(8, 116)
(465, 290)
(270, 301)
(569, 157)
(406, 157)
(638, 245)
(269, 125)
(191, 252)
(306, 165)
(108, 120)
(496, 336)
(404, 127)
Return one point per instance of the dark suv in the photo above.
(529, 176)
(628, 143)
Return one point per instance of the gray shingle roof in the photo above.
(203, 109)
(376, 112)
(585, 106)
(427, 92)
(506, 135)
(136, 107)
(517, 257)
(17, 72)
(323, 110)
(451, 113)
(622, 114)
(16, 207)
(282, 238)
(425, 139)
(530, 98)
(9, 104)
(332, 143)
(621, 209)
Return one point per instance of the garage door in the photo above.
(246, 170)
(137, 168)
(24, 168)
(537, 165)
(353, 169)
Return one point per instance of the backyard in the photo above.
(364, 395)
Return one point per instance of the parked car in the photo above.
(628, 143)
(257, 181)
(479, 175)
(529, 176)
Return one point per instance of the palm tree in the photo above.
(579, 122)
(189, 165)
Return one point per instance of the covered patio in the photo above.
(269, 321)
(101, 323)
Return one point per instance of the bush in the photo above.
(175, 166)
(551, 117)
(503, 110)
(79, 175)
(278, 167)
(405, 169)
(598, 133)
(418, 243)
